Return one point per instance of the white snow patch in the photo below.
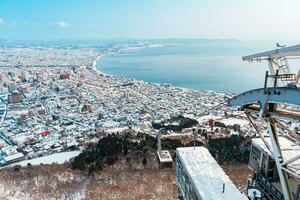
(58, 158)
(232, 121)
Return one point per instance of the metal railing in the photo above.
(269, 190)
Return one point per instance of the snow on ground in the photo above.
(232, 121)
(205, 118)
(114, 130)
(58, 158)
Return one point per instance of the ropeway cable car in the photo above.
(274, 158)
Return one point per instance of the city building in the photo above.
(64, 76)
(13, 158)
(10, 154)
(14, 97)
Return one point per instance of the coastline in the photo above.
(99, 72)
(94, 66)
(186, 65)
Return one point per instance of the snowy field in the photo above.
(232, 121)
(58, 158)
(227, 121)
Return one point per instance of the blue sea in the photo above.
(199, 64)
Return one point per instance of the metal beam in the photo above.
(276, 53)
(293, 135)
(292, 173)
(278, 159)
(249, 116)
(291, 160)
(297, 78)
(284, 95)
(271, 67)
(283, 68)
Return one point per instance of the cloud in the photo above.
(62, 24)
(7, 24)
(2, 22)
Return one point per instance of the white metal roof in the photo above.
(206, 175)
(276, 53)
(289, 150)
(13, 157)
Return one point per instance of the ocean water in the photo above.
(199, 64)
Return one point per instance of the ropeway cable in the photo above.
(215, 107)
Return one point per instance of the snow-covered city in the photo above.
(50, 108)
(149, 100)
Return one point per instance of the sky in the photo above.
(150, 19)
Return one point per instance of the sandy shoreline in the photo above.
(94, 66)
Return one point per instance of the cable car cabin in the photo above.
(265, 175)
(199, 177)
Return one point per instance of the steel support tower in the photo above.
(272, 104)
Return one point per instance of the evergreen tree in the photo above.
(145, 161)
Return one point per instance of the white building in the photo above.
(201, 178)
(13, 158)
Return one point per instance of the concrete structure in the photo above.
(199, 176)
(165, 160)
(163, 156)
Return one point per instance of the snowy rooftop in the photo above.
(289, 150)
(206, 175)
(13, 157)
(164, 156)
